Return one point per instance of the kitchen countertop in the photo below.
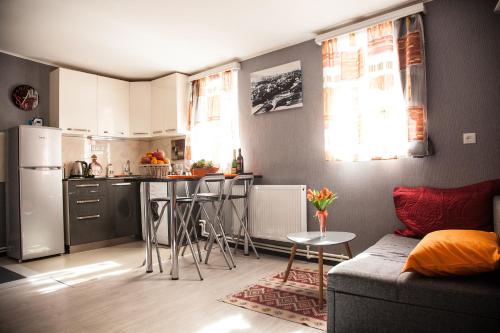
(148, 179)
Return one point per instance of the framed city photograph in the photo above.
(276, 88)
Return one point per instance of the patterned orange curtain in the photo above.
(363, 108)
(194, 92)
(208, 91)
(411, 51)
(366, 114)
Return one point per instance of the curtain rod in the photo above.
(392, 15)
(218, 69)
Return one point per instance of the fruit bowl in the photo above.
(154, 170)
(155, 158)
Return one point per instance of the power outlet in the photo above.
(469, 138)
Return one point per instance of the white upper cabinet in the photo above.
(159, 100)
(169, 105)
(112, 107)
(88, 104)
(140, 109)
(73, 101)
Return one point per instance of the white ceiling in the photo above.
(136, 39)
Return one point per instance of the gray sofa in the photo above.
(370, 294)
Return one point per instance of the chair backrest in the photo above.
(242, 179)
(216, 179)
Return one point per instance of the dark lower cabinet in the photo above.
(124, 207)
(101, 209)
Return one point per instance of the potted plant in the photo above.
(201, 168)
(321, 200)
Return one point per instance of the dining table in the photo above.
(171, 182)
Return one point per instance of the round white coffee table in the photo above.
(313, 238)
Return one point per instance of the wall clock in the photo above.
(25, 97)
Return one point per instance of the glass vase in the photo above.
(322, 215)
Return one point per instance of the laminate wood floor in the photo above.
(104, 290)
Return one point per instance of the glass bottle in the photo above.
(239, 163)
(234, 164)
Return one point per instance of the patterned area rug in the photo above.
(296, 300)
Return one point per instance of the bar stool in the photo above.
(215, 198)
(246, 179)
(191, 222)
(155, 222)
(153, 225)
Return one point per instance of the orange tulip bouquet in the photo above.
(321, 200)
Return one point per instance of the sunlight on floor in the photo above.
(56, 280)
(227, 325)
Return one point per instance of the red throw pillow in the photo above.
(425, 209)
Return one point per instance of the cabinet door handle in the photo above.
(78, 129)
(122, 133)
(121, 184)
(88, 217)
(140, 133)
(105, 132)
(157, 132)
(79, 202)
(170, 130)
(87, 185)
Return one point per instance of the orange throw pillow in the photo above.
(455, 252)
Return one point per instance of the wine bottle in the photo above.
(234, 163)
(239, 163)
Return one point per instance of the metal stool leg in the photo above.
(215, 238)
(181, 233)
(193, 231)
(154, 239)
(237, 240)
(158, 253)
(219, 220)
(226, 244)
(184, 227)
(242, 220)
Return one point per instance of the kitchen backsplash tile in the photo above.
(116, 152)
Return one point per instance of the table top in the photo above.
(314, 238)
(173, 178)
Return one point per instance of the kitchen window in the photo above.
(213, 118)
(375, 92)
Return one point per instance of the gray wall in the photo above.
(15, 71)
(3, 233)
(463, 66)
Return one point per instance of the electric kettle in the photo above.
(79, 169)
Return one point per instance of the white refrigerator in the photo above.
(35, 226)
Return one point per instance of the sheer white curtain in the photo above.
(213, 117)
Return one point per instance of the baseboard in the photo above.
(284, 252)
(99, 244)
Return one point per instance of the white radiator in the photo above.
(274, 211)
